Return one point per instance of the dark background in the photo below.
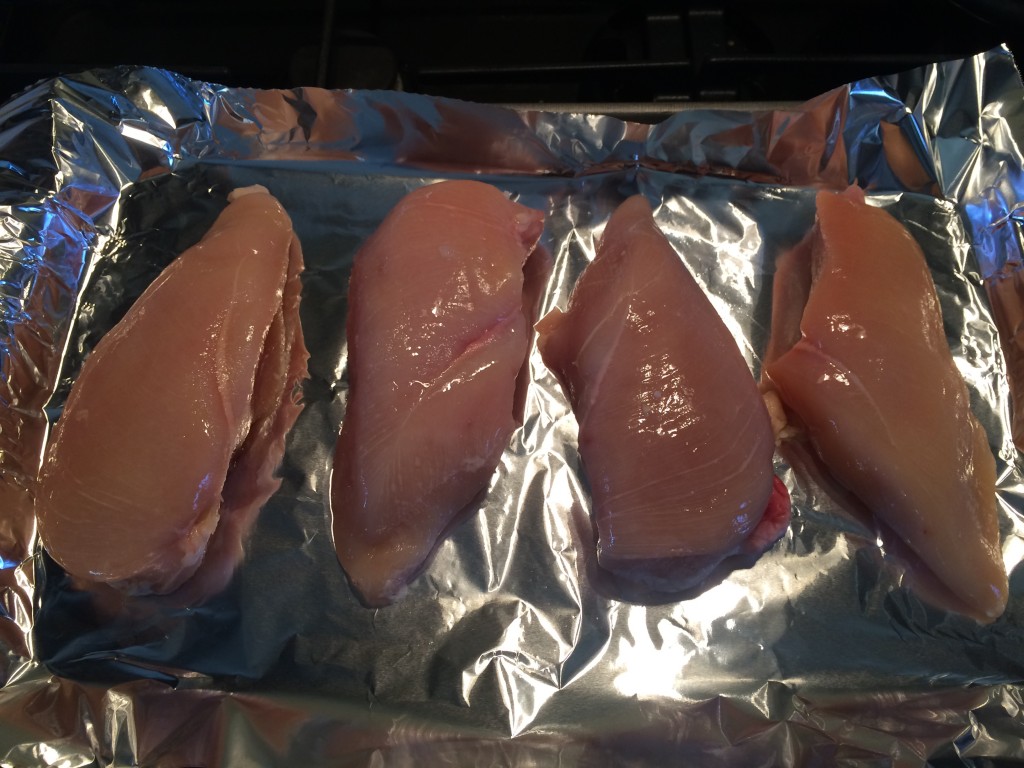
(650, 55)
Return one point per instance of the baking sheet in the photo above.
(506, 650)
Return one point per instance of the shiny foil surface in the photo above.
(506, 650)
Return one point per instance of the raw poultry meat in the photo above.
(675, 438)
(171, 435)
(1005, 291)
(860, 360)
(438, 331)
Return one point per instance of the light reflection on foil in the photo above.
(646, 667)
(816, 653)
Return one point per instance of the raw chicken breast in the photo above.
(170, 437)
(675, 438)
(872, 383)
(437, 335)
(1006, 295)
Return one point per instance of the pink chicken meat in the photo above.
(438, 331)
(860, 360)
(675, 439)
(1005, 291)
(171, 435)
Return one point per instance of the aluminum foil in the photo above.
(506, 650)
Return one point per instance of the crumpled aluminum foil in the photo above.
(505, 651)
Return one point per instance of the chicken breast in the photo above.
(437, 336)
(675, 438)
(171, 434)
(871, 381)
(1005, 291)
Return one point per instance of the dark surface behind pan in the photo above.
(645, 58)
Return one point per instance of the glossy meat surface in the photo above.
(871, 380)
(1006, 294)
(674, 436)
(170, 437)
(437, 335)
